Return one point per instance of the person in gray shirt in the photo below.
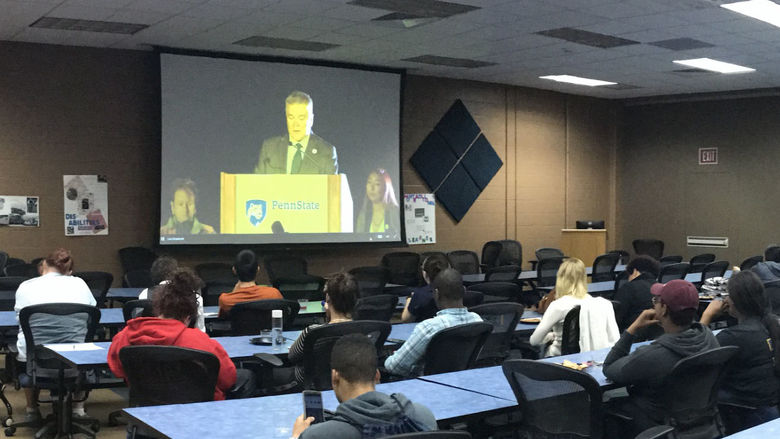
(362, 409)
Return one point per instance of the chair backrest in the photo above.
(3, 260)
(437, 434)
(455, 348)
(21, 270)
(379, 307)
(425, 255)
(140, 278)
(137, 308)
(284, 266)
(8, 287)
(404, 268)
(210, 271)
(691, 391)
(511, 253)
(11, 283)
(506, 273)
(491, 251)
(506, 291)
(159, 375)
(55, 323)
(621, 279)
(548, 252)
(649, 246)
(570, 340)
(772, 291)
(371, 280)
(668, 260)
(214, 288)
(98, 282)
(249, 318)
(624, 256)
(472, 298)
(544, 391)
(699, 261)
(504, 317)
(319, 342)
(673, 271)
(136, 258)
(748, 263)
(547, 271)
(604, 267)
(465, 261)
(301, 286)
(714, 269)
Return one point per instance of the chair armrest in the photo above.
(271, 359)
(739, 406)
(656, 432)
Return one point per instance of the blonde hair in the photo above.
(571, 279)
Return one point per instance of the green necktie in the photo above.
(297, 160)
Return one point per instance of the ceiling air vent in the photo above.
(708, 241)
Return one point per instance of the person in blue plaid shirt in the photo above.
(448, 293)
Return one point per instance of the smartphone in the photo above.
(312, 405)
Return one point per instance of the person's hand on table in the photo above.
(300, 425)
(715, 309)
(645, 319)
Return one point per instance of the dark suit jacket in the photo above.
(319, 158)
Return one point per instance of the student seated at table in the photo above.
(361, 408)
(176, 305)
(245, 290)
(55, 285)
(634, 296)
(769, 269)
(161, 273)
(448, 294)
(643, 371)
(571, 290)
(750, 387)
(420, 304)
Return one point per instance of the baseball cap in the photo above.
(677, 294)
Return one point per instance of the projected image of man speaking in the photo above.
(300, 151)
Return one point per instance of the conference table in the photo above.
(762, 431)
(528, 275)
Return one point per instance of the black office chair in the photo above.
(371, 280)
(3, 260)
(214, 288)
(511, 253)
(404, 268)
(624, 256)
(140, 278)
(137, 308)
(503, 273)
(544, 391)
(714, 269)
(621, 279)
(570, 340)
(249, 318)
(671, 259)
(136, 258)
(648, 246)
(748, 263)
(504, 317)
(98, 282)
(9, 285)
(547, 272)
(455, 348)
(56, 323)
(472, 298)
(698, 262)
(546, 253)
(161, 375)
(301, 286)
(21, 270)
(673, 271)
(465, 261)
(498, 291)
(604, 267)
(378, 307)
(284, 266)
(438, 434)
(491, 251)
(426, 255)
(211, 271)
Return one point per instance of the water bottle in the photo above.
(276, 329)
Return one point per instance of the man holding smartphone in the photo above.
(362, 410)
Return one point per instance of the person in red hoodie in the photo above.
(175, 305)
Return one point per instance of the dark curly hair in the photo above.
(178, 298)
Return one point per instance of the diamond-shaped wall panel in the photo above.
(456, 161)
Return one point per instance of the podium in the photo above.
(584, 244)
(302, 203)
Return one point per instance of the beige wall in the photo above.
(67, 110)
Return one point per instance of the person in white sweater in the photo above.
(570, 290)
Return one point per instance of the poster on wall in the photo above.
(86, 205)
(19, 211)
(420, 213)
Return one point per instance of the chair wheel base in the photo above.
(10, 431)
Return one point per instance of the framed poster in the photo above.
(86, 205)
(420, 214)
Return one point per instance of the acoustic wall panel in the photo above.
(456, 160)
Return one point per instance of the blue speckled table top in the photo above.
(764, 431)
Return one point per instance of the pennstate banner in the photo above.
(86, 205)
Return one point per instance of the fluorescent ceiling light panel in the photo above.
(714, 65)
(763, 10)
(577, 80)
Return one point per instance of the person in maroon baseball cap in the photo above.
(643, 371)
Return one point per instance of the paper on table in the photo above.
(61, 347)
(210, 314)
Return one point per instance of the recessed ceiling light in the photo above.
(714, 65)
(763, 10)
(577, 80)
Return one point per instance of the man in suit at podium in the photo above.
(300, 151)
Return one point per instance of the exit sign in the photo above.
(708, 156)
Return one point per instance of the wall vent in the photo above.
(708, 241)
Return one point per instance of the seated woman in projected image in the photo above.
(182, 220)
(379, 213)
